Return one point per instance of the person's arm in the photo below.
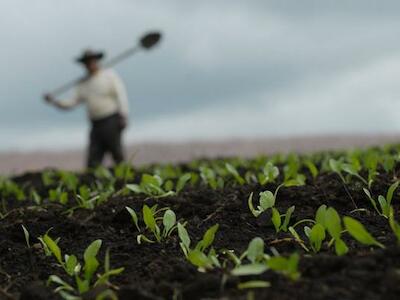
(64, 104)
(122, 98)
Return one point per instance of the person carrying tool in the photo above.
(104, 94)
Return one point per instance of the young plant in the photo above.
(26, 235)
(85, 278)
(35, 197)
(46, 249)
(358, 232)
(150, 185)
(182, 181)
(384, 202)
(255, 255)
(261, 262)
(210, 178)
(292, 177)
(338, 167)
(58, 195)
(316, 236)
(9, 188)
(150, 219)
(311, 167)
(288, 266)
(69, 180)
(197, 256)
(234, 172)
(329, 218)
(85, 199)
(124, 172)
(48, 178)
(269, 173)
(267, 201)
(394, 225)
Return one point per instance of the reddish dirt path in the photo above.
(19, 162)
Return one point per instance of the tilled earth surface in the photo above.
(160, 271)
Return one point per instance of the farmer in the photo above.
(105, 98)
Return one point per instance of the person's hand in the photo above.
(48, 98)
(123, 122)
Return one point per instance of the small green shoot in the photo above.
(394, 225)
(286, 266)
(150, 219)
(358, 232)
(384, 202)
(150, 185)
(197, 256)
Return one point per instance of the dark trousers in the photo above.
(105, 137)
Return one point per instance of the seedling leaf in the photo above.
(251, 269)
(255, 250)
(53, 247)
(358, 231)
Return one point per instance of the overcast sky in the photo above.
(224, 69)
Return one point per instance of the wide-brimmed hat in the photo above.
(90, 54)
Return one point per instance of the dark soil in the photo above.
(160, 271)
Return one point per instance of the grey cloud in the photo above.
(214, 52)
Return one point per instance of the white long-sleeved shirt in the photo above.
(103, 93)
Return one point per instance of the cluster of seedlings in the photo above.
(327, 230)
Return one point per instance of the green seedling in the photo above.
(286, 266)
(331, 221)
(150, 220)
(85, 278)
(277, 219)
(182, 181)
(134, 216)
(48, 178)
(85, 199)
(297, 238)
(151, 186)
(35, 197)
(197, 256)
(316, 236)
(327, 220)
(292, 177)
(103, 173)
(351, 169)
(210, 178)
(254, 284)
(26, 235)
(384, 202)
(311, 167)
(234, 172)
(337, 166)
(9, 188)
(371, 163)
(255, 255)
(58, 195)
(167, 171)
(124, 172)
(267, 200)
(46, 249)
(358, 232)
(389, 162)
(269, 173)
(261, 262)
(68, 180)
(394, 225)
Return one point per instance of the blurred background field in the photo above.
(257, 73)
(148, 153)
